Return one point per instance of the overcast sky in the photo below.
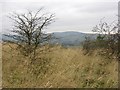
(72, 15)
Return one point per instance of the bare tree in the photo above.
(28, 29)
(105, 28)
(108, 33)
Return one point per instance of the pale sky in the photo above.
(72, 15)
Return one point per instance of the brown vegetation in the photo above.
(58, 67)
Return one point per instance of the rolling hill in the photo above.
(69, 38)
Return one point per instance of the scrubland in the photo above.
(57, 67)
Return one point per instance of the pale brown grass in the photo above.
(68, 67)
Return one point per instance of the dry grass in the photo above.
(58, 68)
(0, 65)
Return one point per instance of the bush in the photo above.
(107, 45)
(88, 45)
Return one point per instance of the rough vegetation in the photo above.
(57, 67)
(107, 41)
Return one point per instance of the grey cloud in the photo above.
(97, 7)
(70, 14)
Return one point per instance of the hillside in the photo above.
(69, 38)
(58, 67)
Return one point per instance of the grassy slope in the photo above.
(64, 68)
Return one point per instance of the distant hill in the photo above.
(69, 38)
